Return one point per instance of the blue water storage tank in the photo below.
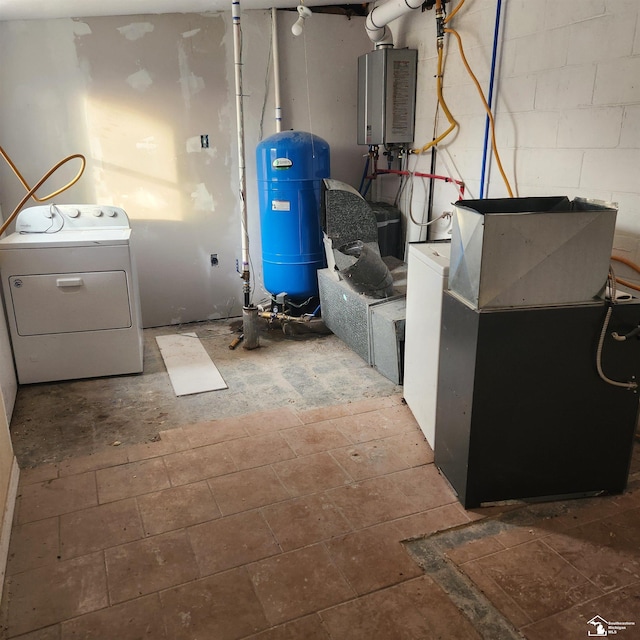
(290, 167)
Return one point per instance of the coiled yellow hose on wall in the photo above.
(31, 191)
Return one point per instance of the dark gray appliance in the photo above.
(522, 412)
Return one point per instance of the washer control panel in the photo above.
(58, 218)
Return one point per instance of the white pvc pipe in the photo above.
(242, 186)
(379, 17)
(276, 69)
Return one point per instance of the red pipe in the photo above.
(419, 175)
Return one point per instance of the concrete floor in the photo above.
(54, 421)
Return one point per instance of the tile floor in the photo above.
(287, 525)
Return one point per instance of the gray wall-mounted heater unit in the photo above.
(387, 96)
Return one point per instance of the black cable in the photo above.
(432, 171)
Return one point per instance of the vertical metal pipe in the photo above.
(276, 69)
(249, 313)
(242, 180)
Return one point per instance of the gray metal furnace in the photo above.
(522, 410)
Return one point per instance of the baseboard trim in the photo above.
(7, 521)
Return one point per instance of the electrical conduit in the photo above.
(485, 147)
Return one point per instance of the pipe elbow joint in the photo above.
(380, 36)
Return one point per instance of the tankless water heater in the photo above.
(387, 96)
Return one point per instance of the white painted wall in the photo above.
(135, 93)
(568, 108)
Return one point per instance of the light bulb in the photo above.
(303, 12)
(296, 29)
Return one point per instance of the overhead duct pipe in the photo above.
(379, 17)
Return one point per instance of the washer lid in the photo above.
(75, 238)
(435, 255)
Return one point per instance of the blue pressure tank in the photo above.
(291, 166)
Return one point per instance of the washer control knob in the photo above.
(97, 213)
(112, 213)
(73, 213)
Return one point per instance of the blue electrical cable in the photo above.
(485, 147)
(364, 175)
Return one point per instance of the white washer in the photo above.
(71, 293)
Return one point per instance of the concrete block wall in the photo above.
(567, 102)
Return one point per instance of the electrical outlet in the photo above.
(204, 141)
(214, 259)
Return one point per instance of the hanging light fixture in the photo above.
(303, 13)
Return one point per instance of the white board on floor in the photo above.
(189, 366)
